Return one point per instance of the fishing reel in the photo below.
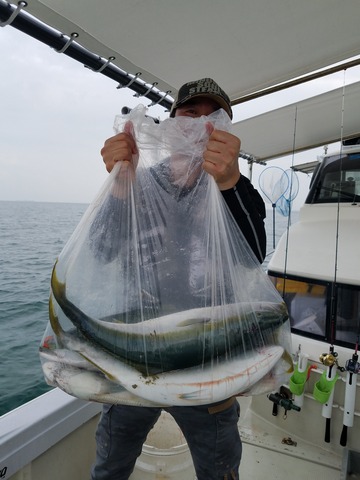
(330, 359)
(352, 365)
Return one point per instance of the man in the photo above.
(210, 430)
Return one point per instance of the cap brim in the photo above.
(219, 100)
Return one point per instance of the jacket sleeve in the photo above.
(248, 210)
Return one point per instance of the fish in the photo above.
(279, 375)
(203, 384)
(89, 385)
(180, 340)
(68, 358)
(71, 372)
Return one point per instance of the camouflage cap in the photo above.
(206, 87)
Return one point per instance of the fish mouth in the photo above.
(177, 341)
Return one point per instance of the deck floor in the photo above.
(259, 462)
(266, 456)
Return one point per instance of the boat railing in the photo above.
(28, 431)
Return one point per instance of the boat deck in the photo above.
(265, 453)
(259, 461)
(32, 447)
(267, 450)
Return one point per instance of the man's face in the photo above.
(197, 107)
(183, 168)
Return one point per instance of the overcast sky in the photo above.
(55, 115)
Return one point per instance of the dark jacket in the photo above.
(248, 210)
(244, 202)
(165, 237)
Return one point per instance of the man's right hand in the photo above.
(121, 148)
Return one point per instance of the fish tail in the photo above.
(54, 321)
(57, 287)
(288, 359)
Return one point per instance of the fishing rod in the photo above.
(327, 383)
(289, 217)
(330, 360)
(352, 368)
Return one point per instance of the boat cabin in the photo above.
(316, 264)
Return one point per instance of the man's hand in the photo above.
(121, 148)
(221, 157)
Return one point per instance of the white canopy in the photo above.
(245, 45)
(314, 122)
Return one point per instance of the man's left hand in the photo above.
(221, 158)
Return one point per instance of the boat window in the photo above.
(310, 305)
(306, 303)
(347, 314)
(339, 181)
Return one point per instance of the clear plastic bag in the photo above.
(157, 299)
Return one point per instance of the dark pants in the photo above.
(211, 433)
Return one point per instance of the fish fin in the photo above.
(105, 372)
(194, 395)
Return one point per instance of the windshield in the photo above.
(337, 181)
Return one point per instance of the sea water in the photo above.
(32, 235)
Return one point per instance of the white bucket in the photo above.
(165, 454)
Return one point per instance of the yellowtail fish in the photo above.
(199, 385)
(180, 340)
(89, 384)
